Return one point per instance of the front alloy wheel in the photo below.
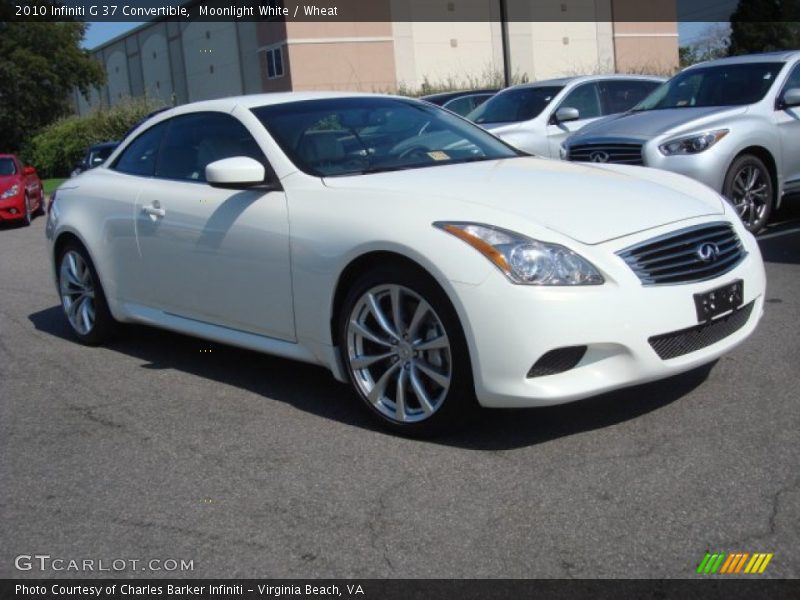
(405, 352)
(748, 187)
(399, 353)
(82, 296)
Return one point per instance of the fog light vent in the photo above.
(557, 361)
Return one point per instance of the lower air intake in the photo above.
(678, 343)
(557, 361)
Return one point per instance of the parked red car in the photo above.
(21, 191)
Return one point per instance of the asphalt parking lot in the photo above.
(168, 447)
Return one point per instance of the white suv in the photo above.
(732, 123)
(538, 117)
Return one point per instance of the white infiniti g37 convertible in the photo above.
(410, 252)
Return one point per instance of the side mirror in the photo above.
(791, 97)
(567, 113)
(235, 172)
(28, 171)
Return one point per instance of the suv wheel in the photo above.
(748, 187)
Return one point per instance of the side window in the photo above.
(619, 96)
(139, 158)
(586, 99)
(793, 81)
(460, 106)
(193, 141)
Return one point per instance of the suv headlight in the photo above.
(12, 191)
(693, 144)
(524, 260)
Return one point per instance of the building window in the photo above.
(211, 69)
(275, 63)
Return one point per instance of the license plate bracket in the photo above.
(719, 301)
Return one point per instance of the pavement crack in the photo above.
(376, 523)
(775, 508)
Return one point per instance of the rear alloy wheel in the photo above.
(82, 297)
(405, 352)
(748, 187)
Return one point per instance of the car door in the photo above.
(787, 120)
(219, 256)
(586, 98)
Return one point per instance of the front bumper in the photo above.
(12, 209)
(509, 327)
(707, 167)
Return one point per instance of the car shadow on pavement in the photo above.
(780, 242)
(313, 389)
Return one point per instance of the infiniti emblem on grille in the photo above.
(707, 252)
(598, 156)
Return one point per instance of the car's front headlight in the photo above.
(12, 191)
(693, 144)
(524, 260)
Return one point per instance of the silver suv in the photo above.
(733, 124)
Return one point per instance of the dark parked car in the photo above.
(462, 102)
(95, 155)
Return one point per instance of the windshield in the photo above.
(723, 85)
(520, 104)
(346, 136)
(7, 167)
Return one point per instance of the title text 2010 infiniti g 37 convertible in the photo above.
(410, 252)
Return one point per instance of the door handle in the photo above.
(154, 210)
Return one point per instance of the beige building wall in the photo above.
(542, 50)
(345, 65)
(646, 47)
(340, 56)
(468, 52)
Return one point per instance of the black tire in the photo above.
(753, 200)
(42, 200)
(456, 402)
(27, 217)
(103, 325)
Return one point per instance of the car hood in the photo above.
(652, 123)
(586, 202)
(499, 128)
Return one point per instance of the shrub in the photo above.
(56, 148)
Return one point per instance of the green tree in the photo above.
(764, 26)
(40, 64)
(712, 43)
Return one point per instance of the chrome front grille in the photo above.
(688, 255)
(626, 154)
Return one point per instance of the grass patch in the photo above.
(50, 185)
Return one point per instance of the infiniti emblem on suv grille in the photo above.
(598, 156)
(707, 252)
